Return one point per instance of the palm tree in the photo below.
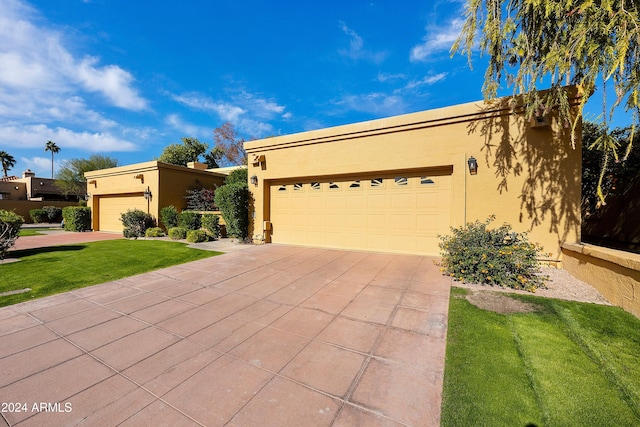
(51, 146)
(7, 161)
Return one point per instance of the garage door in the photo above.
(403, 212)
(110, 208)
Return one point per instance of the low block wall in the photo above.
(616, 274)
(22, 207)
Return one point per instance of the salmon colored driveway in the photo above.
(270, 335)
(56, 238)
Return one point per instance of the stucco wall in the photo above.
(527, 177)
(616, 274)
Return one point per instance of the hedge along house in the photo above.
(395, 184)
(148, 186)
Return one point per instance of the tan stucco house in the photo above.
(395, 184)
(148, 186)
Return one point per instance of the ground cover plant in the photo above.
(560, 364)
(476, 253)
(52, 270)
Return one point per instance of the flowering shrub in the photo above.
(476, 254)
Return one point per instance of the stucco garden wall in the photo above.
(616, 274)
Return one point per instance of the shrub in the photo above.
(190, 220)
(237, 176)
(38, 216)
(136, 222)
(201, 199)
(211, 223)
(169, 217)
(76, 218)
(10, 224)
(196, 236)
(233, 201)
(54, 213)
(178, 233)
(474, 253)
(154, 232)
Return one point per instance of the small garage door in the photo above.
(110, 208)
(402, 213)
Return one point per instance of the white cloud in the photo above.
(425, 81)
(112, 81)
(379, 104)
(384, 77)
(34, 136)
(41, 165)
(39, 74)
(248, 112)
(356, 49)
(437, 40)
(225, 111)
(187, 129)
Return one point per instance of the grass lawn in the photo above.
(52, 270)
(566, 364)
(33, 231)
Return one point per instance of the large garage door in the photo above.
(110, 208)
(401, 213)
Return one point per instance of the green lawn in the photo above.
(568, 364)
(33, 231)
(58, 269)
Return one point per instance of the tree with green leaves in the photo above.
(51, 146)
(585, 43)
(7, 161)
(70, 178)
(180, 154)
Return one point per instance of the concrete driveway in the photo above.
(271, 336)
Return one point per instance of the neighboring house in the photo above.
(148, 186)
(34, 189)
(31, 192)
(396, 184)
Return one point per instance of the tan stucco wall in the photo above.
(22, 207)
(168, 184)
(527, 177)
(616, 274)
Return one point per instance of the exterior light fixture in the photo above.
(254, 180)
(17, 188)
(41, 183)
(147, 194)
(473, 165)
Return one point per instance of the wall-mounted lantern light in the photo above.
(147, 194)
(254, 180)
(41, 183)
(17, 188)
(473, 165)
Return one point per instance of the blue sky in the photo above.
(126, 78)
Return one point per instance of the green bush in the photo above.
(76, 218)
(237, 176)
(136, 222)
(211, 224)
(154, 232)
(54, 213)
(233, 201)
(38, 216)
(169, 217)
(178, 233)
(476, 254)
(196, 236)
(190, 220)
(10, 224)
